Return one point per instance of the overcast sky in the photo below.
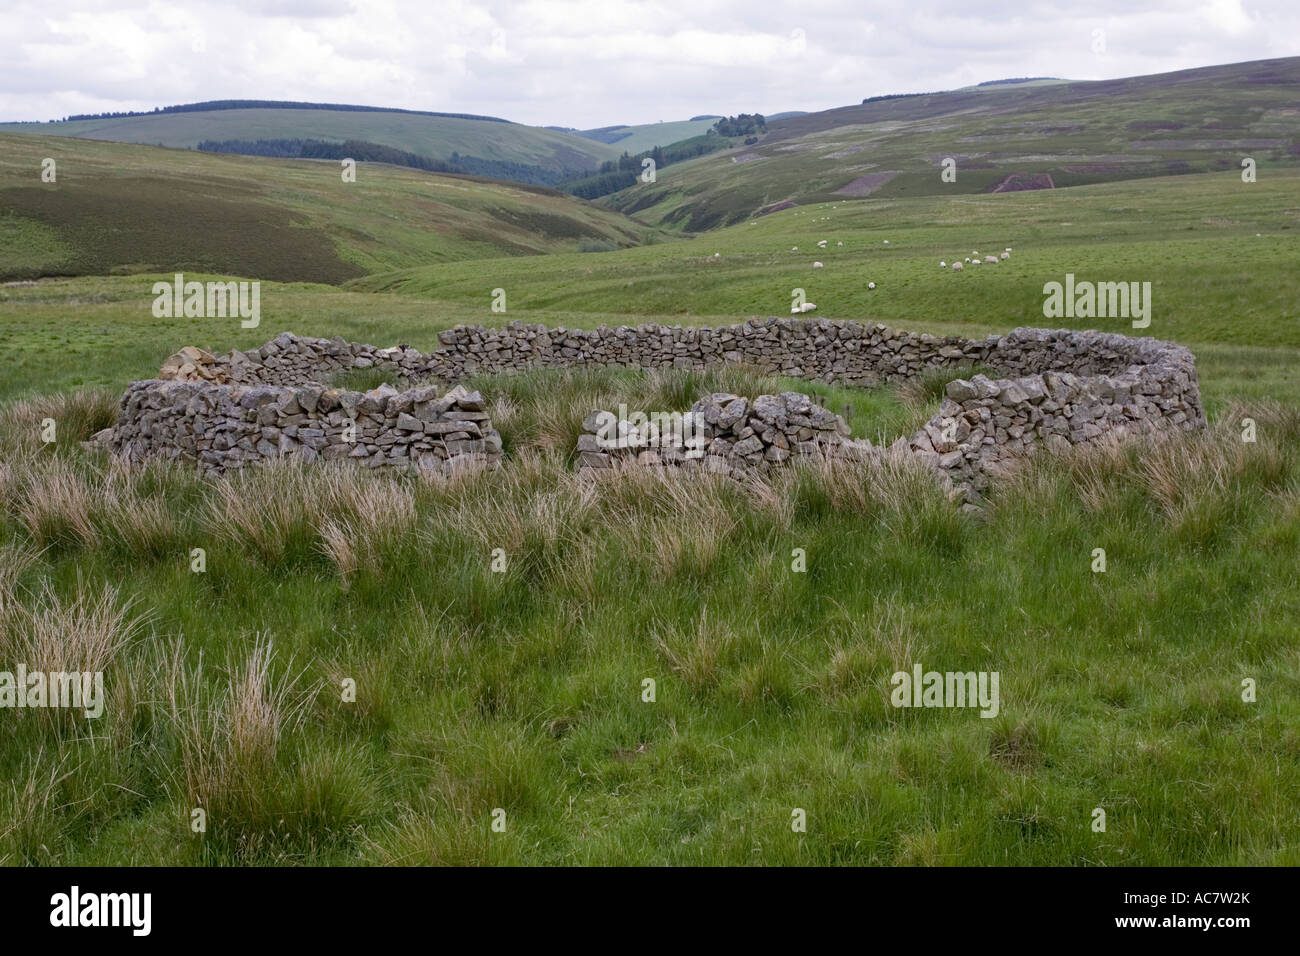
(588, 63)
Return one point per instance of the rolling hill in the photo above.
(431, 135)
(637, 139)
(120, 208)
(1004, 137)
(1220, 255)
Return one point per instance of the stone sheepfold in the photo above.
(229, 426)
(1058, 388)
(723, 434)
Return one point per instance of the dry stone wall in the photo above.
(224, 426)
(1056, 388)
(722, 433)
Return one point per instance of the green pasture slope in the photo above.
(1070, 134)
(1219, 253)
(522, 690)
(117, 208)
(434, 136)
(646, 136)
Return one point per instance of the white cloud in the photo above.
(595, 62)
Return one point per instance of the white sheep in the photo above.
(822, 244)
(968, 260)
(871, 285)
(886, 242)
(943, 265)
(817, 265)
(974, 262)
(839, 243)
(956, 267)
(992, 259)
(1008, 248)
(1005, 255)
(808, 307)
(794, 248)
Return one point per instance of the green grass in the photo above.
(117, 208)
(434, 136)
(1077, 133)
(522, 690)
(646, 136)
(1219, 254)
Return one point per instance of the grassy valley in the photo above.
(1005, 138)
(116, 208)
(520, 690)
(433, 136)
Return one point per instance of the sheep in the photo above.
(807, 307)
(871, 285)
(956, 267)
(886, 242)
(822, 244)
(943, 265)
(794, 248)
(992, 259)
(817, 265)
(1005, 255)
(974, 262)
(839, 243)
(1008, 248)
(968, 260)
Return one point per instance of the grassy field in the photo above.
(1219, 253)
(131, 209)
(522, 690)
(434, 136)
(638, 139)
(1075, 133)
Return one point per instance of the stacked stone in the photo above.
(844, 351)
(289, 359)
(230, 426)
(818, 349)
(984, 426)
(1062, 388)
(191, 364)
(725, 434)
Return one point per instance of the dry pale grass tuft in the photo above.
(349, 514)
(696, 654)
(83, 634)
(361, 517)
(229, 739)
(14, 562)
(32, 808)
(56, 504)
(887, 484)
(76, 416)
(536, 505)
(129, 513)
(1189, 477)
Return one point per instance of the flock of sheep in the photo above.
(974, 260)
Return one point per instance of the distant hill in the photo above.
(1022, 80)
(1030, 134)
(123, 208)
(435, 136)
(211, 105)
(639, 139)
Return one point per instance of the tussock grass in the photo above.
(77, 415)
(520, 689)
